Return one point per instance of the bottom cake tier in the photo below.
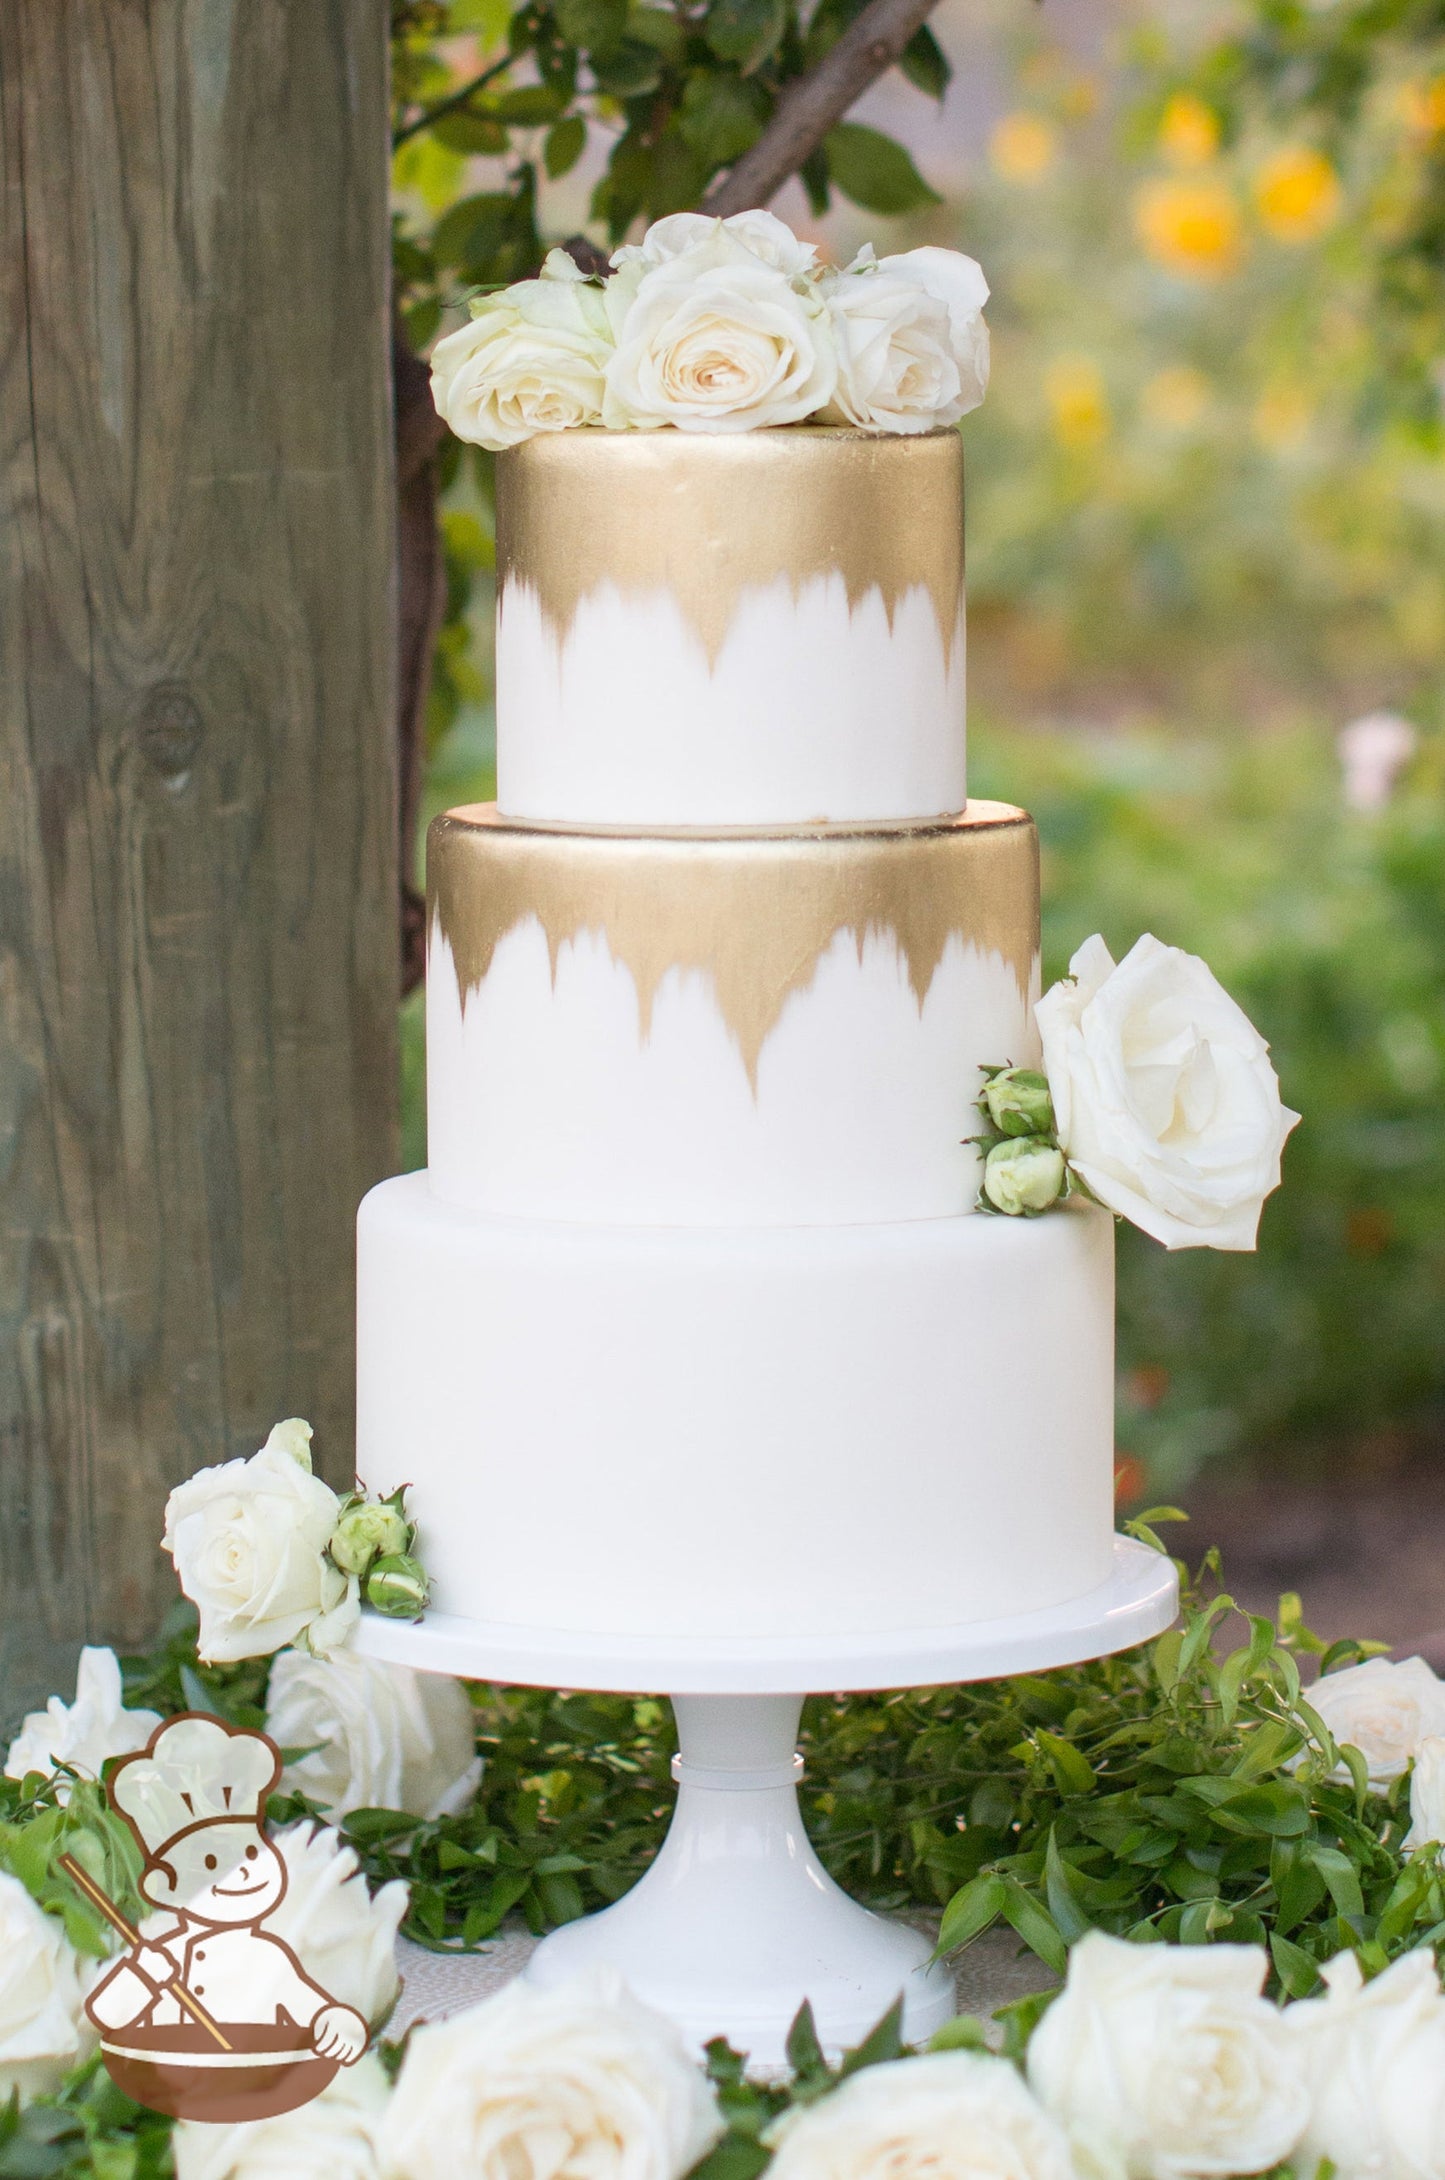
(742, 1431)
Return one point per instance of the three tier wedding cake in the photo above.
(696, 1325)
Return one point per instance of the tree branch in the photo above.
(812, 105)
(451, 103)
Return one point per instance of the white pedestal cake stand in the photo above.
(737, 1921)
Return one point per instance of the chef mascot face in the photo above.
(195, 1801)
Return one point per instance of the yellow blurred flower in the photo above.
(1422, 107)
(1079, 98)
(1078, 403)
(1175, 399)
(1188, 131)
(1282, 417)
(1190, 227)
(1298, 193)
(1023, 147)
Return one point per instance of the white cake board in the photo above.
(737, 1922)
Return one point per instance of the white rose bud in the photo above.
(377, 1736)
(1166, 2060)
(950, 2115)
(248, 1539)
(1023, 1176)
(1018, 1102)
(715, 340)
(1427, 1794)
(1374, 2059)
(578, 2083)
(398, 1586)
(368, 1532)
(84, 1734)
(1383, 1708)
(532, 360)
(43, 2030)
(1166, 1103)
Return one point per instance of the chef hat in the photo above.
(193, 1771)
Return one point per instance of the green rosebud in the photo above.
(367, 1532)
(1017, 1101)
(1023, 1176)
(397, 1586)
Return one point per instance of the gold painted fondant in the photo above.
(706, 518)
(755, 912)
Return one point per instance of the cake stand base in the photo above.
(737, 1922)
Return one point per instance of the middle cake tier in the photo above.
(695, 1029)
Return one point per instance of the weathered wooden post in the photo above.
(198, 954)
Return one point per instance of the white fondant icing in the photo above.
(546, 1100)
(747, 1432)
(811, 710)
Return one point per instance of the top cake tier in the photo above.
(751, 629)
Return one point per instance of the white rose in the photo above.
(1166, 1103)
(895, 364)
(379, 1736)
(951, 2115)
(1384, 1709)
(578, 2083)
(249, 1543)
(532, 360)
(1167, 2059)
(43, 2028)
(1374, 2058)
(756, 234)
(83, 1734)
(715, 340)
(342, 1933)
(1427, 1794)
(957, 282)
(334, 2137)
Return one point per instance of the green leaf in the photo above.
(564, 146)
(592, 24)
(1340, 1875)
(925, 64)
(1294, 1967)
(1035, 1926)
(471, 134)
(883, 2043)
(720, 116)
(736, 2157)
(970, 1912)
(1073, 1771)
(875, 171)
(1058, 1885)
(628, 70)
(805, 2053)
(965, 2032)
(745, 31)
(530, 106)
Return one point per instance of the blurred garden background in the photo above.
(1207, 604)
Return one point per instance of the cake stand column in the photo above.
(737, 1921)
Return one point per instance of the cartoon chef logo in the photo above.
(211, 2016)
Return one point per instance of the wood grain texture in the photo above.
(198, 866)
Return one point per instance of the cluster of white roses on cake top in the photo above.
(1156, 1097)
(713, 325)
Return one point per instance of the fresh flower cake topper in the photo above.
(713, 325)
(1157, 1099)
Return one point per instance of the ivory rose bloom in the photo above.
(1374, 2058)
(43, 2030)
(378, 1736)
(334, 2137)
(1384, 1709)
(84, 1733)
(342, 1933)
(911, 341)
(578, 2083)
(755, 234)
(532, 360)
(1165, 1100)
(951, 2115)
(1427, 1794)
(1166, 2059)
(715, 340)
(249, 1539)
